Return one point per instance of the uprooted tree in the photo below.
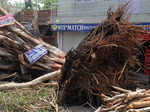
(101, 60)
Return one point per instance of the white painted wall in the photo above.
(68, 40)
(68, 11)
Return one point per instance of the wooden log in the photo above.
(3, 52)
(129, 101)
(58, 60)
(147, 109)
(117, 101)
(136, 105)
(55, 51)
(6, 76)
(120, 108)
(145, 99)
(10, 67)
(32, 83)
(116, 97)
(121, 89)
(110, 108)
(137, 94)
(12, 42)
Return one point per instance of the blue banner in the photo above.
(86, 27)
(74, 27)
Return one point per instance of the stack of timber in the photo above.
(104, 58)
(122, 100)
(15, 40)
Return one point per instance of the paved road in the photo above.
(76, 109)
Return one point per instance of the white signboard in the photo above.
(134, 6)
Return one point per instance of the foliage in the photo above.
(15, 4)
(38, 4)
(3, 4)
(48, 4)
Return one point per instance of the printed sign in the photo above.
(87, 27)
(35, 53)
(74, 27)
(6, 20)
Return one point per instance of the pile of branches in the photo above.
(126, 101)
(14, 41)
(101, 60)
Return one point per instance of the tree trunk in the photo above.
(35, 19)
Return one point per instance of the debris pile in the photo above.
(126, 101)
(15, 40)
(101, 60)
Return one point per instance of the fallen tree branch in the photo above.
(32, 83)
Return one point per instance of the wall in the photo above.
(68, 40)
(69, 11)
(144, 15)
